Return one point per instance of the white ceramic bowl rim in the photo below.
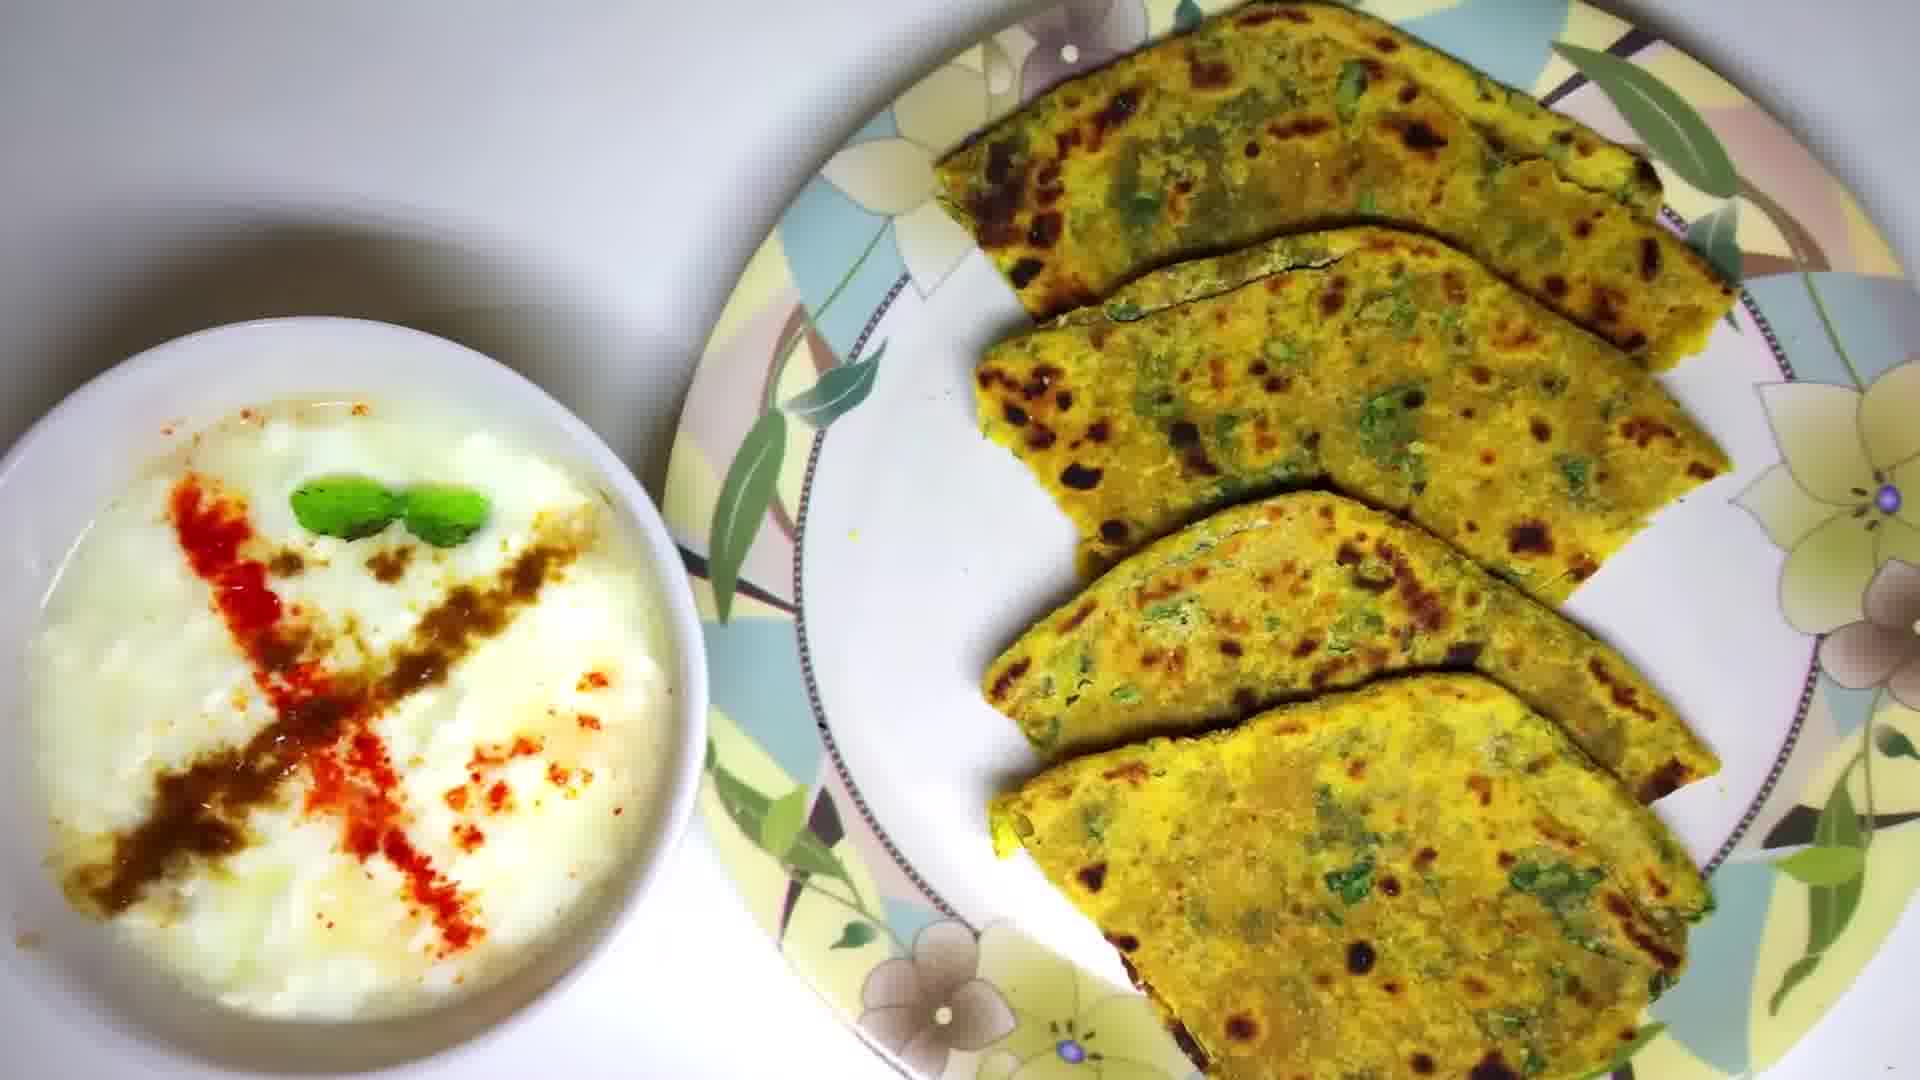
(84, 451)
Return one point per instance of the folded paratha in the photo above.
(1380, 362)
(1310, 592)
(1419, 878)
(1285, 117)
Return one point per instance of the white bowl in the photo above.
(88, 449)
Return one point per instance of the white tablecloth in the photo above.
(572, 185)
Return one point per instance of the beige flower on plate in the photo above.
(1882, 649)
(1845, 499)
(893, 176)
(926, 1006)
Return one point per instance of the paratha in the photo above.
(1310, 592)
(1286, 117)
(1380, 362)
(1419, 878)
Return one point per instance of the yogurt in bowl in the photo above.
(394, 774)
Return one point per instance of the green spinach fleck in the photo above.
(1353, 883)
(1186, 611)
(1223, 426)
(1251, 107)
(1094, 820)
(1578, 472)
(1156, 403)
(1354, 623)
(1563, 890)
(1283, 351)
(1389, 426)
(1525, 234)
(1195, 909)
(1338, 824)
(1049, 737)
(1254, 926)
(1129, 195)
(1556, 884)
(1353, 83)
(1490, 166)
(1504, 1023)
(1126, 694)
(1395, 307)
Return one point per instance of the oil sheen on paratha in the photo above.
(1380, 362)
(1419, 878)
(1285, 117)
(1310, 592)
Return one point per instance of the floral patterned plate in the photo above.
(860, 553)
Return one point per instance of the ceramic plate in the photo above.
(860, 552)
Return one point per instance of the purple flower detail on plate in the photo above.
(1070, 1051)
(1882, 649)
(1842, 503)
(1078, 36)
(926, 1006)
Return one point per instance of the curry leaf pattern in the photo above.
(745, 496)
(1716, 237)
(1670, 127)
(838, 391)
(1829, 907)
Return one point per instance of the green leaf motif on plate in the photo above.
(1794, 976)
(745, 496)
(750, 809)
(1187, 16)
(782, 824)
(1671, 129)
(856, 934)
(1715, 237)
(1646, 1034)
(1895, 744)
(1829, 907)
(838, 392)
(1824, 865)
